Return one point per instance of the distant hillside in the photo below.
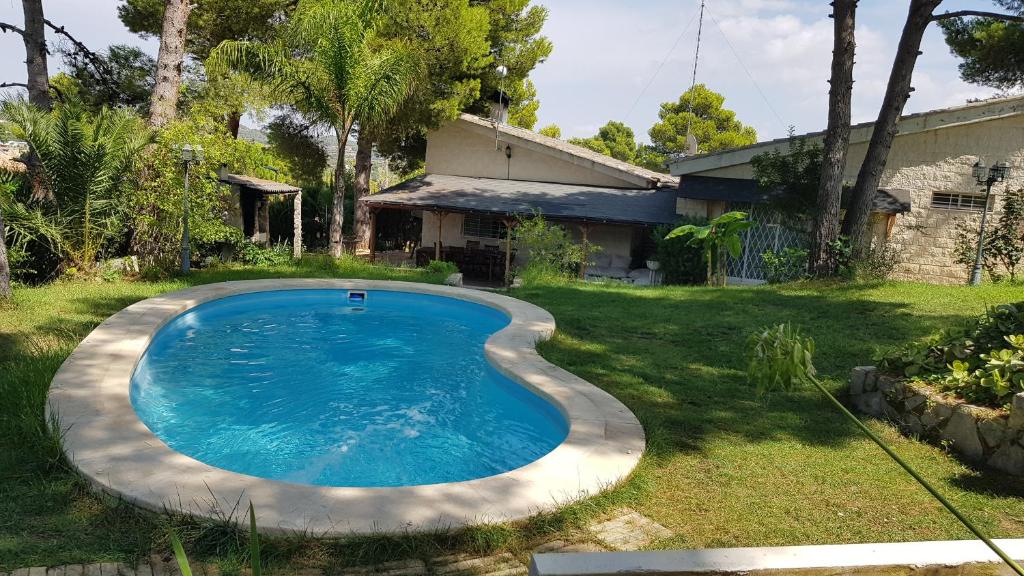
(328, 142)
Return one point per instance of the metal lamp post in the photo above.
(985, 176)
(189, 154)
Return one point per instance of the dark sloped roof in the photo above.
(510, 197)
(887, 201)
(259, 184)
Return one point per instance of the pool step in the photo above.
(629, 530)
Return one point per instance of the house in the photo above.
(926, 190)
(480, 175)
(247, 207)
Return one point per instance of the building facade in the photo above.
(929, 167)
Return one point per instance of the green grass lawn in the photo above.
(722, 468)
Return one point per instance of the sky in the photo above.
(616, 60)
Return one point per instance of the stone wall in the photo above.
(979, 435)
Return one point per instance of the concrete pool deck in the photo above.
(105, 440)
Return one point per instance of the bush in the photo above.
(681, 262)
(156, 201)
(1004, 242)
(257, 255)
(442, 267)
(786, 266)
(982, 362)
(551, 252)
(875, 263)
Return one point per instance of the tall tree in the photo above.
(920, 14)
(33, 35)
(837, 139)
(699, 111)
(614, 139)
(329, 62)
(170, 59)
(124, 76)
(211, 22)
(987, 45)
(515, 39)
(449, 39)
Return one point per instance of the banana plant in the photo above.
(717, 238)
(782, 359)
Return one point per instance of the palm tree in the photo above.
(330, 63)
(84, 160)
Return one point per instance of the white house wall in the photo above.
(459, 150)
(924, 162)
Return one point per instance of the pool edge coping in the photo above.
(105, 440)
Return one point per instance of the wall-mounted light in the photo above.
(508, 151)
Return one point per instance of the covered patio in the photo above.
(467, 220)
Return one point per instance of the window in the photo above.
(956, 201)
(482, 227)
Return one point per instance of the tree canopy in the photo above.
(211, 21)
(551, 131)
(617, 140)
(715, 127)
(990, 48)
(127, 77)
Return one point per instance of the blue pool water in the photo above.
(300, 386)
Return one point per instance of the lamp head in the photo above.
(1000, 171)
(979, 171)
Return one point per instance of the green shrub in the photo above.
(257, 255)
(442, 267)
(786, 266)
(156, 201)
(681, 262)
(551, 251)
(982, 362)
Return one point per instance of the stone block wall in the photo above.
(980, 435)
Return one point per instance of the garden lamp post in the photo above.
(985, 176)
(189, 154)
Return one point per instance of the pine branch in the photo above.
(5, 27)
(979, 14)
(13, 85)
(95, 59)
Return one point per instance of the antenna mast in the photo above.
(691, 140)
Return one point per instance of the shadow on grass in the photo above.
(677, 357)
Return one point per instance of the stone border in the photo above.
(909, 557)
(980, 435)
(117, 453)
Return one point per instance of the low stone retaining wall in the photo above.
(979, 435)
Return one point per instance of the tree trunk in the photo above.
(5, 268)
(837, 139)
(234, 123)
(34, 37)
(897, 92)
(338, 204)
(361, 187)
(164, 103)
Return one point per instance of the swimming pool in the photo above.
(229, 411)
(308, 386)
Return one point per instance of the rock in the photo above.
(1009, 458)
(517, 282)
(915, 401)
(992, 431)
(857, 376)
(913, 425)
(935, 414)
(454, 279)
(1016, 421)
(962, 431)
(870, 381)
(869, 403)
(886, 384)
